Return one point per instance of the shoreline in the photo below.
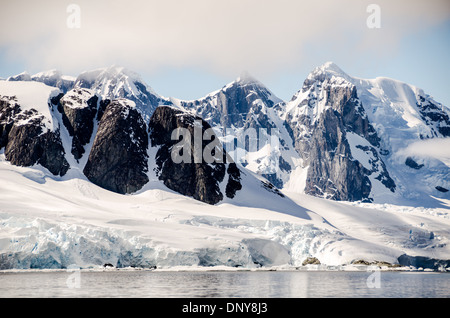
(200, 269)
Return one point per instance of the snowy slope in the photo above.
(56, 79)
(55, 222)
(401, 115)
(31, 95)
(396, 111)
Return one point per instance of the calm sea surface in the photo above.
(258, 284)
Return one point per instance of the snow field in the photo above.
(48, 222)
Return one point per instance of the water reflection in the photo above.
(259, 284)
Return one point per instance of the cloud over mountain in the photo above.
(225, 37)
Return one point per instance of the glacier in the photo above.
(52, 222)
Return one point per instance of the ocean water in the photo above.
(245, 284)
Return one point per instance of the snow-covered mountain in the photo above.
(244, 116)
(351, 133)
(52, 78)
(117, 82)
(106, 138)
(339, 137)
(88, 175)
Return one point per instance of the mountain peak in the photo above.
(246, 78)
(49, 73)
(113, 71)
(329, 68)
(24, 76)
(117, 70)
(330, 65)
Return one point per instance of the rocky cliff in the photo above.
(118, 158)
(192, 176)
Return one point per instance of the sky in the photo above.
(189, 48)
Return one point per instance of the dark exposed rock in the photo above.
(361, 262)
(27, 141)
(246, 111)
(101, 108)
(27, 145)
(423, 261)
(78, 108)
(332, 172)
(234, 181)
(441, 189)
(412, 164)
(434, 116)
(118, 158)
(192, 177)
(323, 142)
(311, 261)
(270, 187)
(234, 105)
(8, 111)
(374, 263)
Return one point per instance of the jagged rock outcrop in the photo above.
(434, 115)
(244, 117)
(27, 140)
(410, 162)
(333, 135)
(194, 176)
(79, 108)
(332, 172)
(116, 82)
(237, 104)
(118, 158)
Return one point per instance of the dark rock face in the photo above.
(8, 111)
(118, 158)
(235, 105)
(245, 109)
(194, 178)
(423, 261)
(27, 146)
(332, 171)
(234, 181)
(78, 108)
(324, 143)
(412, 164)
(27, 141)
(434, 116)
(311, 261)
(441, 189)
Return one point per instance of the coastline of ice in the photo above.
(49, 222)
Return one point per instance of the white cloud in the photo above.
(225, 37)
(438, 148)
